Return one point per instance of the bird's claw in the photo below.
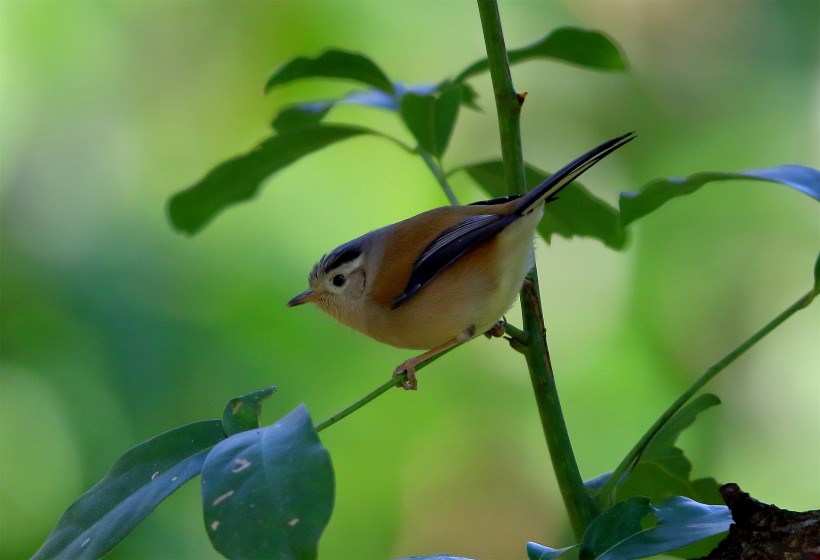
(409, 383)
(497, 330)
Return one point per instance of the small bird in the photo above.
(438, 279)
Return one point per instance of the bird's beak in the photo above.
(304, 297)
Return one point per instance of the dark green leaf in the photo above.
(653, 195)
(431, 118)
(594, 484)
(662, 470)
(268, 493)
(143, 477)
(332, 63)
(239, 178)
(590, 49)
(537, 551)
(304, 115)
(614, 526)
(680, 522)
(577, 212)
(242, 413)
(469, 96)
(817, 275)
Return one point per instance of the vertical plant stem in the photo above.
(581, 508)
(507, 101)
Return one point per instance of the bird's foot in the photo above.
(498, 330)
(409, 383)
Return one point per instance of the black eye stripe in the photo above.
(341, 255)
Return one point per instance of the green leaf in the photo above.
(662, 470)
(144, 476)
(332, 63)
(304, 115)
(537, 551)
(817, 275)
(242, 413)
(678, 522)
(590, 49)
(431, 118)
(311, 113)
(614, 526)
(636, 529)
(577, 212)
(653, 195)
(239, 178)
(268, 493)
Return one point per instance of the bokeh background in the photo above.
(115, 328)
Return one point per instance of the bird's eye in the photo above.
(339, 280)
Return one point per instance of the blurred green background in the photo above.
(115, 328)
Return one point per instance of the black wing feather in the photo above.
(448, 247)
(453, 243)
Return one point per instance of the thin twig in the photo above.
(439, 174)
(606, 493)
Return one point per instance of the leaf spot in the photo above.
(293, 522)
(214, 525)
(153, 476)
(85, 542)
(223, 497)
(242, 464)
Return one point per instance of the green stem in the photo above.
(517, 336)
(581, 507)
(440, 176)
(606, 493)
(381, 389)
(507, 101)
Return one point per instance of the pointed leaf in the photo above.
(680, 522)
(537, 551)
(242, 413)
(662, 470)
(590, 49)
(817, 275)
(332, 63)
(268, 493)
(143, 477)
(653, 195)
(239, 178)
(431, 118)
(577, 212)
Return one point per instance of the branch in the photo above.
(581, 508)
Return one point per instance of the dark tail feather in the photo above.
(563, 177)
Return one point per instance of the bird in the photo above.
(442, 277)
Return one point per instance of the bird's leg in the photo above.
(409, 366)
(497, 330)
